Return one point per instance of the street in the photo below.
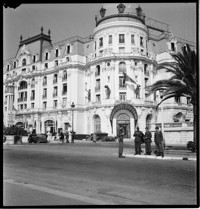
(92, 174)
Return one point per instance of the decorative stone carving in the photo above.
(102, 12)
(121, 8)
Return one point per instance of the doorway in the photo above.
(123, 120)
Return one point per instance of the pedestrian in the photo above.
(67, 136)
(121, 143)
(138, 141)
(147, 141)
(94, 138)
(158, 139)
(61, 136)
(48, 136)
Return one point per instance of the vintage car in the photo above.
(37, 138)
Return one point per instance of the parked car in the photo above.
(37, 138)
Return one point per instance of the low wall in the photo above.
(10, 139)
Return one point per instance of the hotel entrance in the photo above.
(123, 120)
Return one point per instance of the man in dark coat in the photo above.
(138, 141)
(121, 143)
(147, 141)
(61, 136)
(158, 139)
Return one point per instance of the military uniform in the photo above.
(138, 141)
(121, 143)
(158, 139)
(147, 141)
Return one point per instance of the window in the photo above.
(44, 105)
(64, 92)
(110, 39)
(98, 85)
(97, 124)
(64, 103)
(122, 67)
(177, 99)
(148, 121)
(100, 42)
(64, 75)
(32, 94)
(95, 45)
(97, 72)
(122, 84)
(46, 56)
(122, 96)
(5, 109)
(8, 68)
(121, 38)
(132, 39)
(141, 41)
(55, 103)
(33, 67)
(21, 107)
(68, 49)
(23, 70)
(14, 64)
(34, 58)
(188, 100)
(44, 93)
(55, 91)
(98, 98)
(23, 62)
(45, 65)
(172, 47)
(32, 105)
(23, 85)
(121, 49)
(25, 106)
(56, 53)
(56, 62)
(67, 59)
(135, 63)
(55, 78)
(44, 81)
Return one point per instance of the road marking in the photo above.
(59, 193)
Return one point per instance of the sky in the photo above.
(68, 20)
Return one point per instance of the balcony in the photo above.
(44, 96)
(22, 87)
(22, 99)
(9, 90)
(97, 88)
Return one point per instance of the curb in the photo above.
(159, 158)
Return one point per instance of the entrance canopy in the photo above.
(123, 106)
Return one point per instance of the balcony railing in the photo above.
(22, 87)
(9, 90)
(122, 87)
(22, 99)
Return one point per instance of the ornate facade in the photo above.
(105, 75)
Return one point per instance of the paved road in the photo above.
(91, 174)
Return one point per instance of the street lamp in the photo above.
(72, 106)
(162, 116)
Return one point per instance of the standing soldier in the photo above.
(158, 138)
(147, 141)
(138, 141)
(121, 145)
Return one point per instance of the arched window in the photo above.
(49, 125)
(44, 81)
(97, 70)
(148, 121)
(64, 75)
(97, 124)
(55, 78)
(122, 67)
(23, 85)
(24, 62)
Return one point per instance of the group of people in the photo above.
(141, 138)
(61, 136)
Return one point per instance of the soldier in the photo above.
(158, 138)
(121, 145)
(147, 141)
(138, 141)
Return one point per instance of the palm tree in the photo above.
(183, 82)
